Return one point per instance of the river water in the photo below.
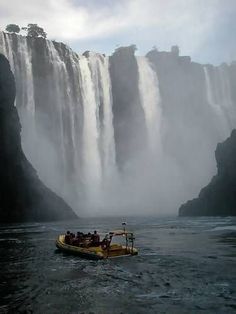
(184, 266)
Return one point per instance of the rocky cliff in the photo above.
(129, 123)
(23, 197)
(218, 198)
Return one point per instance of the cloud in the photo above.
(65, 19)
(188, 23)
(62, 18)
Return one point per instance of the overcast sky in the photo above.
(203, 29)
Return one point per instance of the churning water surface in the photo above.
(184, 266)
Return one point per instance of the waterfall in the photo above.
(226, 99)
(91, 156)
(100, 74)
(6, 48)
(151, 101)
(209, 91)
(19, 54)
(60, 84)
(66, 110)
(26, 74)
(21, 65)
(74, 119)
(218, 97)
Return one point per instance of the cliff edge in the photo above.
(23, 197)
(218, 198)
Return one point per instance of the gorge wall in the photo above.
(218, 198)
(23, 197)
(120, 134)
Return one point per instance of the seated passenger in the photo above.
(95, 239)
(67, 237)
(105, 243)
(79, 235)
(79, 239)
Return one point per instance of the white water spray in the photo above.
(151, 101)
(218, 97)
(91, 157)
(101, 78)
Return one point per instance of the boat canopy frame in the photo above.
(129, 237)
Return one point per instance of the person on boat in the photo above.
(78, 239)
(95, 239)
(67, 237)
(72, 238)
(105, 243)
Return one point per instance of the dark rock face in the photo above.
(219, 197)
(23, 197)
(129, 121)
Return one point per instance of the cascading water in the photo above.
(92, 94)
(91, 157)
(151, 102)
(21, 65)
(6, 48)
(25, 72)
(99, 66)
(79, 106)
(62, 97)
(209, 91)
(19, 54)
(226, 95)
(218, 97)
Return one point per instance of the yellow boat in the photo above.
(101, 251)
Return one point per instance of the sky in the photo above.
(203, 29)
